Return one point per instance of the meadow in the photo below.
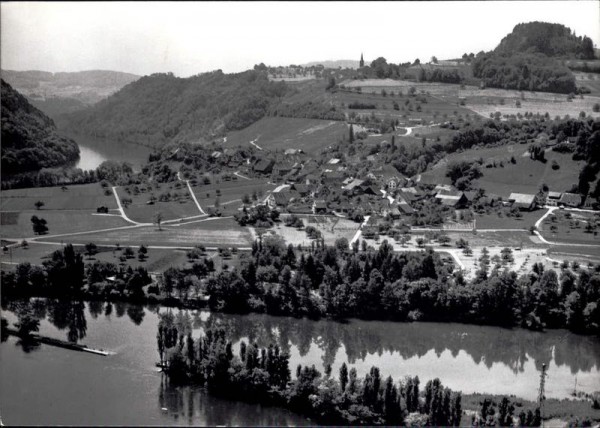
(280, 133)
(214, 232)
(524, 176)
(75, 197)
(570, 227)
(332, 228)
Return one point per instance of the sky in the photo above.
(190, 38)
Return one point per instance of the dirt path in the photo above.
(122, 211)
(194, 197)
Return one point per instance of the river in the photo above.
(94, 151)
(49, 385)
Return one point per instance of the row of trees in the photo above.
(263, 375)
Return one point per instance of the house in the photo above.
(216, 155)
(456, 201)
(523, 201)
(282, 169)
(291, 152)
(333, 178)
(353, 186)
(264, 166)
(552, 198)
(405, 208)
(470, 195)
(320, 206)
(572, 200)
(302, 189)
(334, 161)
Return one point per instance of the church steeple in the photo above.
(362, 61)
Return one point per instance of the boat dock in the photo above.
(62, 344)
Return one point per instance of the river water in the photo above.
(49, 385)
(94, 151)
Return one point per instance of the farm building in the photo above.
(320, 206)
(552, 198)
(523, 201)
(353, 185)
(302, 189)
(572, 200)
(453, 200)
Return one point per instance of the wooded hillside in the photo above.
(29, 138)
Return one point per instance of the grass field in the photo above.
(280, 133)
(581, 254)
(526, 176)
(570, 227)
(179, 206)
(494, 221)
(77, 197)
(58, 222)
(210, 233)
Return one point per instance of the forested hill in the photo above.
(29, 138)
(528, 59)
(162, 108)
(554, 40)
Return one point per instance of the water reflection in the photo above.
(485, 345)
(192, 405)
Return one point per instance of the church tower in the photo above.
(362, 61)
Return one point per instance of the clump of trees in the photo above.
(259, 216)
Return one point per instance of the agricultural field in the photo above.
(179, 205)
(229, 194)
(75, 197)
(590, 81)
(331, 227)
(433, 110)
(18, 224)
(213, 232)
(491, 100)
(579, 254)
(280, 133)
(525, 176)
(571, 227)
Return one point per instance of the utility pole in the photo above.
(541, 394)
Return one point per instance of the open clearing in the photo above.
(332, 229)
(494, 221)
(280, 133)
(76, 197)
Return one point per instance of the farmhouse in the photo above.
(302, 189)
(264, 166)
(523, 201)
(552, 198)
(572, 200)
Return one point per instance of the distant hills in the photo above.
(161, 108)
(57, 93)
(29, 138)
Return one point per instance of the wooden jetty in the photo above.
(61, 343)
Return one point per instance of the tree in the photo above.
(142, 252)
(158, 218)
(39, 204)
(90, 249)
(434, 60)
(39, 225)
(351, 134)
